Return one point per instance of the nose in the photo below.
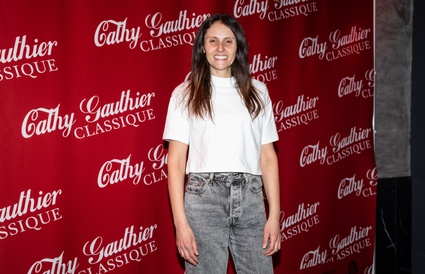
(220, 47)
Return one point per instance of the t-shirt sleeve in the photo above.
(177, 122)
(269, 133)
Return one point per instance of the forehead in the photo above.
(218, 29)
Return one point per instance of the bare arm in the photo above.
(270, 171)
(185, 240)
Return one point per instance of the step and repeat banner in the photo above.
(84, 88)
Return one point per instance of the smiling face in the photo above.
(220, 48)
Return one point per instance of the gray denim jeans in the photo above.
(226, 212)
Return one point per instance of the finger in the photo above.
(190, 256)
(265, 240)
(193, 255)
(270, 251)
(274, 246)
(189, 253)
(195, 249)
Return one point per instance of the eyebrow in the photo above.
(227, 37)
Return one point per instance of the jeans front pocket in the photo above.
(197, 183)
(255, 184)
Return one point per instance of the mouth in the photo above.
(220, 57)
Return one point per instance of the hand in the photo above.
(272, 237)
(186, 244)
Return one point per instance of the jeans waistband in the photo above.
(225, 176)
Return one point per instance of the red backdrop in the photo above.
(84, 90)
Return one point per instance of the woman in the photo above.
(221, 130)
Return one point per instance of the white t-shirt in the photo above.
(231, 142)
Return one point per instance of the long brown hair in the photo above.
(199, 89)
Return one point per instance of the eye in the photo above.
(229, 41)
(213, 41)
